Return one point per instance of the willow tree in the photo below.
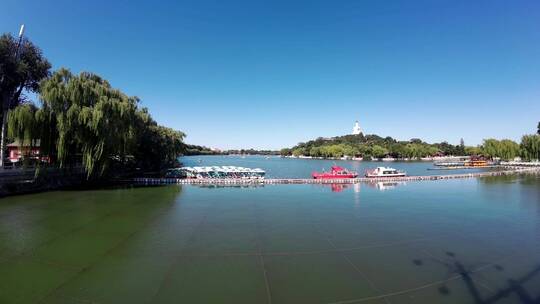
(22, 67)
(490, 147)
(156, 146)
(31, 127)
(530, 147)
(505, 149)
(92, 119)
(509, 149)
(23, 126)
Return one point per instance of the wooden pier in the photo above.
(270, 181)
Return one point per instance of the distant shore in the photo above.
(434, 158)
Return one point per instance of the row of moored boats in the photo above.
(338, 172)
(216, 172)
(223, 172)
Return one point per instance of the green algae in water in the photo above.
(457, 241)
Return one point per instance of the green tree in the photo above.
(378, 151)
(315, 151)
(22, 124)
(353, 145)
(473, 151)
(285, 152)
(350, 150)
(298, 152)
(84, 120)
(491, 147)
(508, 149)
(91, 118)
(431, 151)
(22, 67)
(364, 150)
(530, 147)
(505, 149)
(155, 146)
(461, 147)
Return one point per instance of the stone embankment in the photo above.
(23, 181)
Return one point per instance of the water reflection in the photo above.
(219, 186)
(381, 186)
(31, 221)
(501, 187)
(523, 179)
(339, 187)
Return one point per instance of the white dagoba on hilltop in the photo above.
(356, 129)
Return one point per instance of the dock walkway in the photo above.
(237, 181)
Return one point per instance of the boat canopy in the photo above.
(386, 169)
(219, 172)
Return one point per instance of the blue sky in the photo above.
(269, 74)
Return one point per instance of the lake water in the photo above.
(446, 241)
(277, 167)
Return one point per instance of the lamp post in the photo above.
(8, 104)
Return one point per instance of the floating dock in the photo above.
(238, 181)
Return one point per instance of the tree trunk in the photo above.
(3, 140)
(7, 101)
(5, 108)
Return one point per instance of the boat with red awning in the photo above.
(335, 172)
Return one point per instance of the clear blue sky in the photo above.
(268, 74)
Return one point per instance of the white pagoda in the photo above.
(356, 129)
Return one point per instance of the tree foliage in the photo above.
(156, 146)
(369, 146)
(84, 120)
(530, 147)
(374, 146)
(22, 67)
(23, 125)
(505, 149)
(20, 73)
(91, 118)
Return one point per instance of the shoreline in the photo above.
(384, 159)
(237, 181)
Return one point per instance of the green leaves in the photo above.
(84, 120)
(506, 149)
(22, 124)
(22, 72)
(530, 147)
(92, 118)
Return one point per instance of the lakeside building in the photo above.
(16, 151)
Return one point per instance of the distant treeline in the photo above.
(199, 150)
(252, 152)
(374, 146)
(202, 150)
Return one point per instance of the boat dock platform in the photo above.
(270, 181)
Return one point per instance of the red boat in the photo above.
(336, 172)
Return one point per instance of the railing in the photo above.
(235, 181)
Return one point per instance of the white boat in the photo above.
(385, 172)
(218, 172)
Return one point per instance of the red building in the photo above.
(16, 151)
